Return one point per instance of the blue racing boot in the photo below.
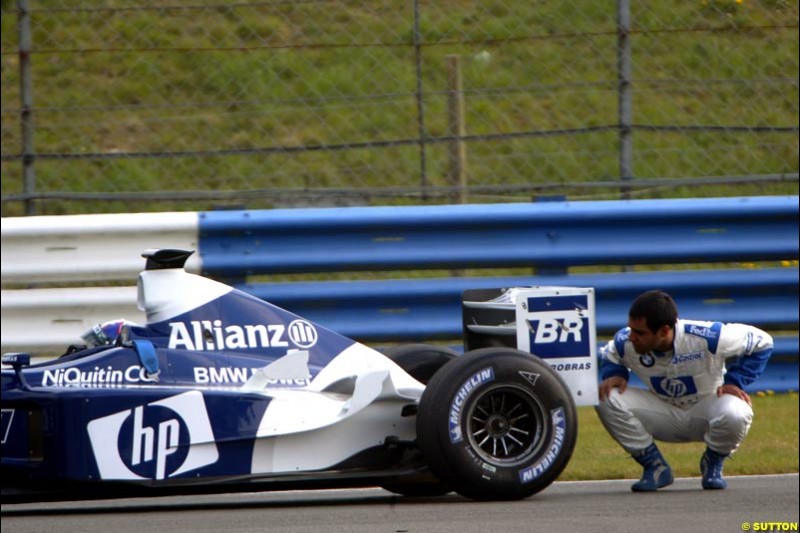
(711, 468)
(657, 473)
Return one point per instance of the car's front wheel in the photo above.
(497, 424)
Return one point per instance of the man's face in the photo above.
(644, 340)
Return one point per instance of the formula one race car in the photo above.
(220, 391)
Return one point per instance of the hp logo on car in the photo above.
(157, 440)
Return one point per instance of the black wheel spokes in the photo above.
(504, 423)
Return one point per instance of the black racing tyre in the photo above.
(421, 361)
(497, 424)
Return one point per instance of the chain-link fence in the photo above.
(146, 105)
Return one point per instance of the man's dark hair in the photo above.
(657, 307)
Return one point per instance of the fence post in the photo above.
(420, 103)
(26, 98)
(456, 129)
(624, 94)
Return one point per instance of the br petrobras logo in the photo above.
(674, 387)
(559, 326)
(157, 440)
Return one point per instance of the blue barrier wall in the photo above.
(553, 235)
(236, 243)
(412, 309)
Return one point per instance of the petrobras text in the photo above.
(570, 367)
(199, 335)
(61, 377)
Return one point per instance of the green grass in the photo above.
(771, 447)
(261, 75)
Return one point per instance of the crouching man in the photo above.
(690, 397)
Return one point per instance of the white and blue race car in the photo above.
(220, 391)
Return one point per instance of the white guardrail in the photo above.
(86, 249)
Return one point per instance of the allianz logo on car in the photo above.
(198, 335)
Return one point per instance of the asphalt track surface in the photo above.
(751, 503)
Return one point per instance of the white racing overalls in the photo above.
(681, 404)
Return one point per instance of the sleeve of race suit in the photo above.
(611, 357)
(746, 350)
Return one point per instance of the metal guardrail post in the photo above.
(420, 102)
(456, 128)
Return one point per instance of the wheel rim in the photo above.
(505, 425)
